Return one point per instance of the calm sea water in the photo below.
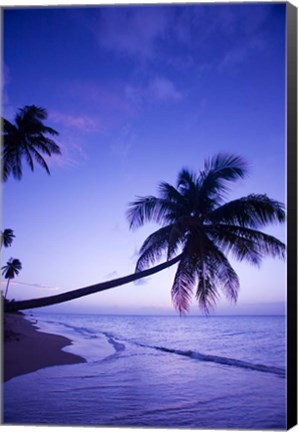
(190, 372)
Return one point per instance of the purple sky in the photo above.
(137, 93)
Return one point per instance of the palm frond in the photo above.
(214, 271)
(29, 158)
(206, 293)
(254, 210)
(11, 159)
(186, 180)
(240, 247)
(170, 193)
(47, 145)
(6, 162)
(15, 162)
(225, 275)
(34, 112)
(218, 172)
(147, 209)
(38, 143)
(49, 130)
(183, 285)
(246, 243)
(225, 167)
(153, 248)
(7, 127)
(177, 237)
(40, 159)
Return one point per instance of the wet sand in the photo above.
(26, 349)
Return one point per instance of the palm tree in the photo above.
(10, 270)
(198, 229)
(6, 237)
(26, 139)
(196, 220)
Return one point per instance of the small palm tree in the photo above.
(11, 270)
(6, 237)
(26, 139)
(197, 223)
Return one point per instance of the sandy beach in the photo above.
(26, 349)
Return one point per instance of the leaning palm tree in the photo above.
(26, 140)
(198, 230)
(11, 270)
(6, 237)
(197, 222)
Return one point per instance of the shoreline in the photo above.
(26, 349)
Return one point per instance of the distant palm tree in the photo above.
(10, 270)
(7, 237)
(198, 230)
(26, 139)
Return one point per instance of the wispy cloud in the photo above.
(132, 31)
(7, 110)
(107, 100)
(5, 80)
(112, 275)
(164, 90)
(73, 152)
(70, 140)
(240, 53)
(125, 141)
(142, 281)
(160, 89)
(35, 285)
(80, 122)
(146, 34)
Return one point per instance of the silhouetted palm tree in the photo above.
(26, 139)
(197, 230)
(198, 223)
(6, 237)
(11, 270)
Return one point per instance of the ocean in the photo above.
(215, 372)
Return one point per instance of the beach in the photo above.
(153, 371)
(26, 349)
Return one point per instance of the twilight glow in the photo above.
(137, 93)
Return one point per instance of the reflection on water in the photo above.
(215, 372)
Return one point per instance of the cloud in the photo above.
(131, 31)
(233, 57)
(160, 89)
(240, 53)
(123, 144)
(34, 285)
(112, 275)
(164, 90)
(8, 110)
(142, 281)
(231, 32)
(80, 122)
(195, 118)
(135, 255)
(135, 94)
(6, 78)
(73, 153)
(108, 101)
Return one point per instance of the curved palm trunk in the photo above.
(81, 292)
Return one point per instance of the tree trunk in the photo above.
(6, 288)
(81, 292)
